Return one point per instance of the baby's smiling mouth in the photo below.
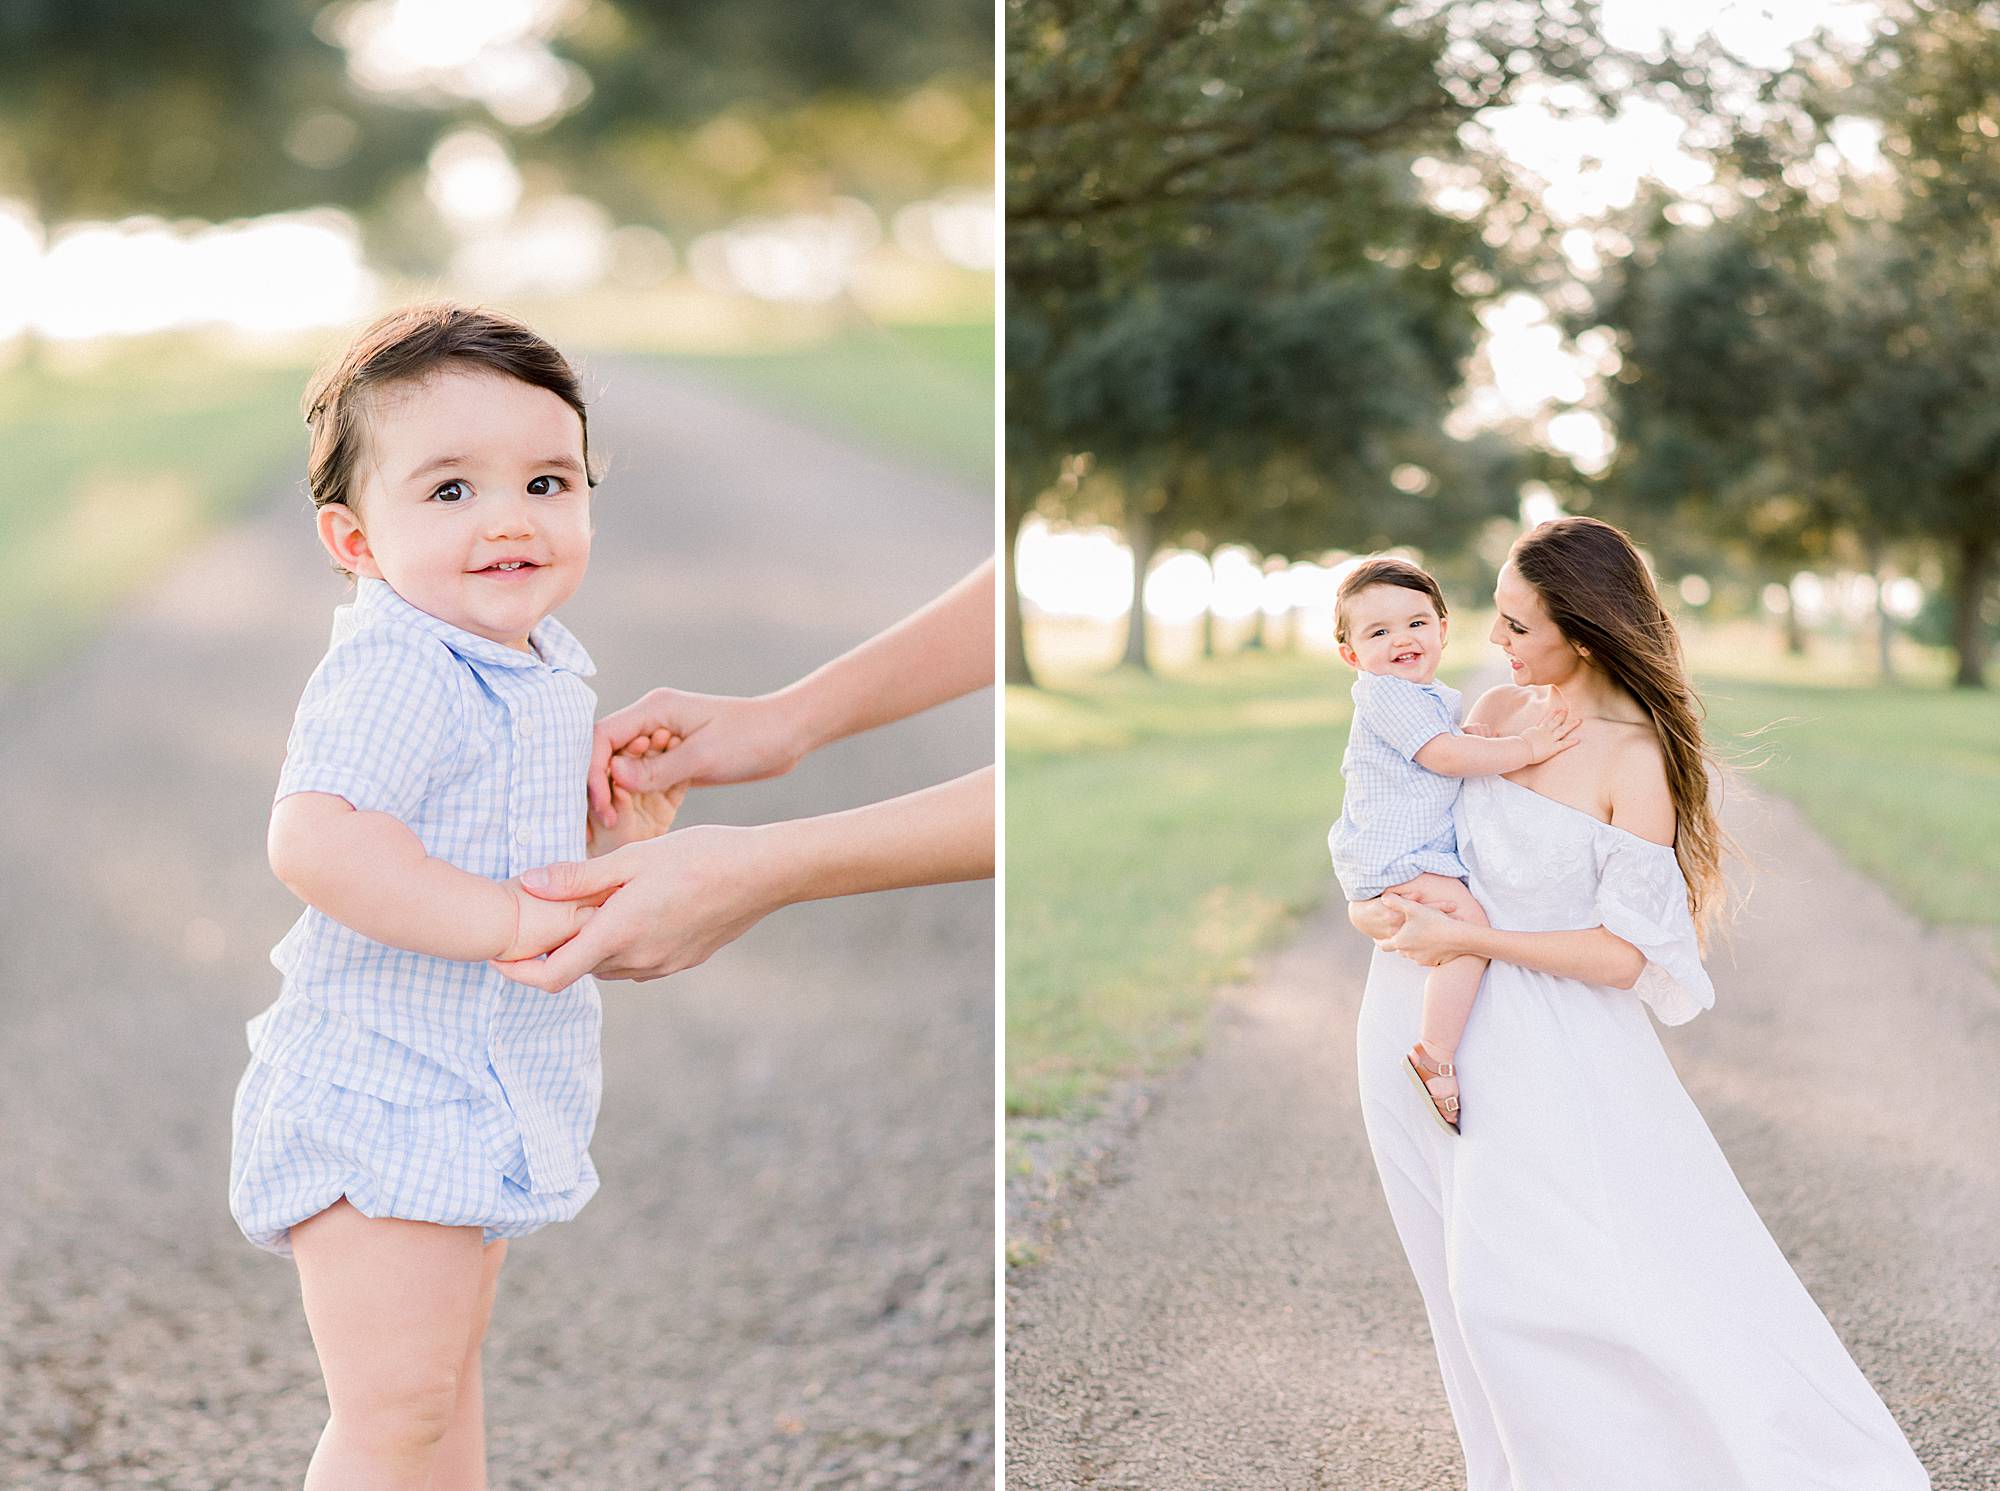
(507, 567)
(1412, 656)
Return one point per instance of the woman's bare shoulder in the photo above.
(1641, 801)
(1500, 703)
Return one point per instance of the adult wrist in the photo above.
(803, 716)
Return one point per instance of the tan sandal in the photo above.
(1423, 1071)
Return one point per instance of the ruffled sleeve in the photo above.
(1642, 898)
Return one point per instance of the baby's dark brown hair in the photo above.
(1382, 572)
(407, 346)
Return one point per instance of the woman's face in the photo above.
(1535, 649)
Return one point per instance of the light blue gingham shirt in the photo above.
(482, 751)
(1395, 818)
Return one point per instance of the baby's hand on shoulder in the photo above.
(542, 926)
(1553, 733)
(639, 815)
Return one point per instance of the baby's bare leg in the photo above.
(1451, 988)
(391, 1305)
(461, 1455)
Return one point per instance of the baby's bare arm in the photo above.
(1484, 756)
(368, 871)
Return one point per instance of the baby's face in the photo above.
(1393, 630)
(470, 500)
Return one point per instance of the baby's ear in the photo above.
(340, 533)
(1349, 656)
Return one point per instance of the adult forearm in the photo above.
(935, 654)
(369, 872)
(1593, 955)
(940, 834)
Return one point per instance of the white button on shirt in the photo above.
(459, 737)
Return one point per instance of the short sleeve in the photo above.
(381, 721)
(1406, 715)
(1642, 898)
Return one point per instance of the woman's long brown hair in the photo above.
(1602, 598)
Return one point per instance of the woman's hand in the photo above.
(666, 904)
(722, 739)
(1427, 936)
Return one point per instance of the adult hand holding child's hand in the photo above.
(634, 813)
(666, 905)
(542, 926)
(719, 739)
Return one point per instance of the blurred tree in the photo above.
(1220, 363)
(114, 106)
(1816, 375)
(1144, 136)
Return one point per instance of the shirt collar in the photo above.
(553, 643)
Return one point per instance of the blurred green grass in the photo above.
(1161, 831)
(115, 469)
(1904, 780)
(924, 392)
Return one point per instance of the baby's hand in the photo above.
(1552, 734)
(542, 926)
(638, 815)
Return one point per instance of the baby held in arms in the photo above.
(1405, 755)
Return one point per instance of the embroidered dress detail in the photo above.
(1395, 817)
(417, 1086)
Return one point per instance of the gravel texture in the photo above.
(786, 1281)
(1230, 1309)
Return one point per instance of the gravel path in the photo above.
(786, 1281)
(1231, 1310)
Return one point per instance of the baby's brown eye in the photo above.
(546, 486)
(451, 491)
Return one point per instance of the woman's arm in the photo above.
(937, 653)
(1592, 955)
(673, 901)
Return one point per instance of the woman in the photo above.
(1607, 1307)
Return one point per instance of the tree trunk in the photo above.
(1885, 624)
(1885, 635)
(1139, 534)
(1795, 634)
(1968, 632)
(1018, 671)
(1208, 631)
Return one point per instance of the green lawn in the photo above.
(1159, 832)
(114, 470)
(920, 391)
(1904, 780)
